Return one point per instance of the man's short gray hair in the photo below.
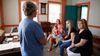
(29, 7)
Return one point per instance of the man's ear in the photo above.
(34, 13)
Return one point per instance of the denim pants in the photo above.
(62, 46)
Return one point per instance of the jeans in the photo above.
(62, 46)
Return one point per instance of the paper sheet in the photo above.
(9, 46)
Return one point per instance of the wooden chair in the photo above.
(46, 27)
(96, 45)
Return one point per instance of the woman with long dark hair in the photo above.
(67, 40)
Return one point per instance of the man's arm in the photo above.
(43, 41)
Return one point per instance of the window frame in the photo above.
(81, 11)
(53, 2)
(87, 4)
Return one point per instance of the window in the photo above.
(22, 13)
(84, 12)
(54, 12)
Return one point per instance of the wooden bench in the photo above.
(46, 27)
(96, 45)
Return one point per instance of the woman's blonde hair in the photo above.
(84, 22)
(70, 22)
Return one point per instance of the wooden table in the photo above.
(9, 48)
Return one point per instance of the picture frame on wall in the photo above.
(43, 8)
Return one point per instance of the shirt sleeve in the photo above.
(85, 35)
(38, 31)
(73, 30)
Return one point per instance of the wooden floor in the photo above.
(54, 52)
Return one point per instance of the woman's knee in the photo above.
(62, 46)
(59, 43)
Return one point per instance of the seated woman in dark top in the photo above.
(66, 41)
(82, 41)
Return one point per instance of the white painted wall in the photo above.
(69, 2)
(11, 16)
(42, 18)
(10, 9)
(55, 0)
(44, 1)
(79, 1)
(94, 15)
(95, 31)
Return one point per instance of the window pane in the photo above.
(22, 13)
(54, 12)
(84, 13)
